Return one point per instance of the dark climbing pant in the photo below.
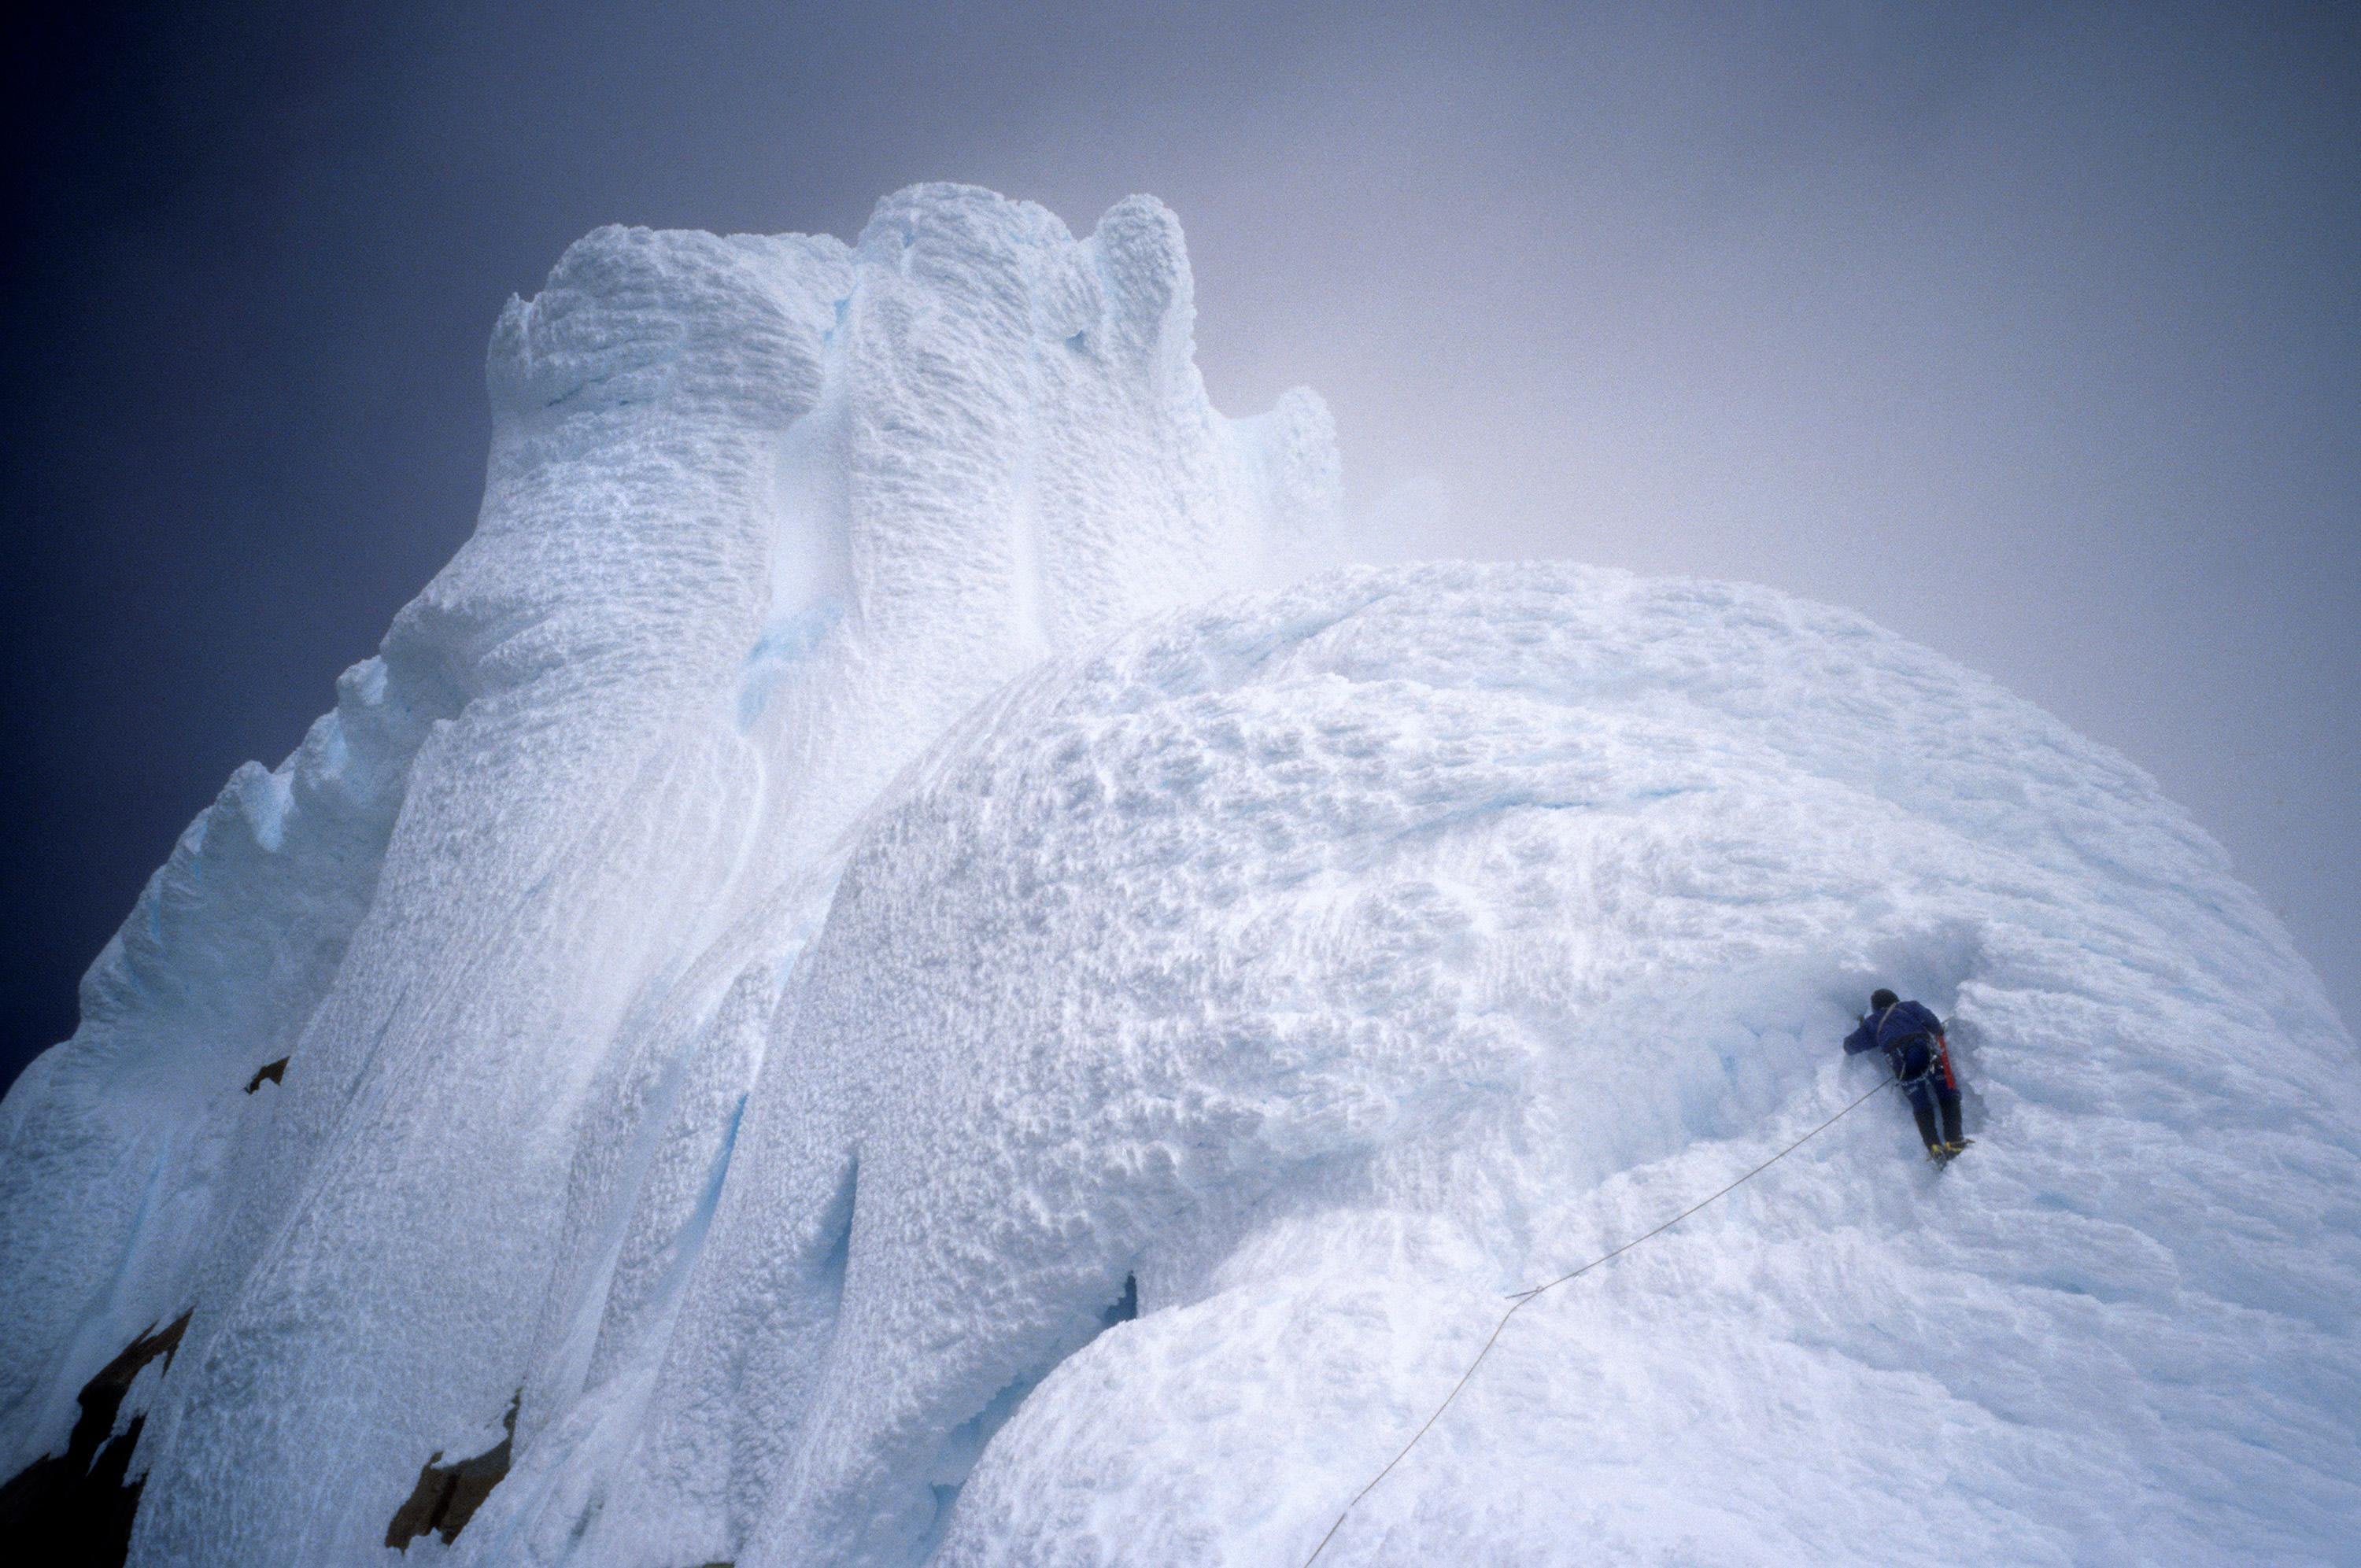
(1929, 1095)
(1937, 1086)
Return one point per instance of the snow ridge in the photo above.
(514, 913)
(868, 977)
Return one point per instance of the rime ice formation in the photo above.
(763, 516)
(852, 996)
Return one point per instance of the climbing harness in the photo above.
(1522, 1297)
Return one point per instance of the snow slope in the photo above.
(1332, 964)
(881, 1064)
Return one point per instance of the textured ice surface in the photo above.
(1361, 954)
(883, 1063)
(761, 517)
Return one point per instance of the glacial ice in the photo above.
(863, 962)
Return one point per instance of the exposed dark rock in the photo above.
(447, 1496)
(269, 1072)
(1125, 1308)
(73, 1510)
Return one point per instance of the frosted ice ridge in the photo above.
(862, 972)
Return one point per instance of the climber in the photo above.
(1912, 1037)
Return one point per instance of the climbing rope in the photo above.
(1523, 1296)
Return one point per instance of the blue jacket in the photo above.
(1909, 1033)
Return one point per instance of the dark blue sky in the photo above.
(2031, 330)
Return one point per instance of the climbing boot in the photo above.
(1956, 1146)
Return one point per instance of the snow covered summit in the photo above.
(842, 992)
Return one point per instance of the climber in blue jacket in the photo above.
(1912, 1038)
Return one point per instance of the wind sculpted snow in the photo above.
(873, 1062)
(761, 517)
